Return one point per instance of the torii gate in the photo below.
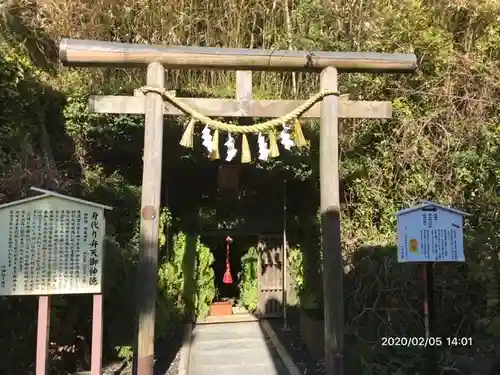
(157, 59)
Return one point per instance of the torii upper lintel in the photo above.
(74, 52)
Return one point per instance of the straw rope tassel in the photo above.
(215, 146)
(273, 145)
(187, 137)
(246, 156)
(299, 138)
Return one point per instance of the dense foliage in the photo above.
(248, 287)
(443, 144)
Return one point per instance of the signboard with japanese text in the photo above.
(51, 245)
(430, 233)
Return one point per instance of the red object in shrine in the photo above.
(228, 279)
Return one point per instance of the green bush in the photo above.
(249, 293)
(170, 301)
(186, 279)
(295, 268)
(205, 279)
(307, 298)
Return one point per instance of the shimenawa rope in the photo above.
(238, 129)
(264, 127)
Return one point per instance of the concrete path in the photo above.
(233, 349)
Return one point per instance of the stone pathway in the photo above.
(233, 349)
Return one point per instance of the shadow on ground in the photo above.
(168, 349)
(288, 333)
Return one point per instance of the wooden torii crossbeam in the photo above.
(238, 107)
(157, 59)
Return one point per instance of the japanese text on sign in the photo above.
(51, 248)
(430, 236)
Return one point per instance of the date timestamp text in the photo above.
(424, 342)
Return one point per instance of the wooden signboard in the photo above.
(53, 244)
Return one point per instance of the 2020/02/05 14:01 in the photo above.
(404, 341)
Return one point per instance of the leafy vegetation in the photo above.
(249, 293)
(442, 144)
(186, 279)
(205, 287)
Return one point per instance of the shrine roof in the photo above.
(48, 193)
(425, 204)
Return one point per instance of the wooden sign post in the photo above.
(53, 245)
(98, 54)
(426, 234)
